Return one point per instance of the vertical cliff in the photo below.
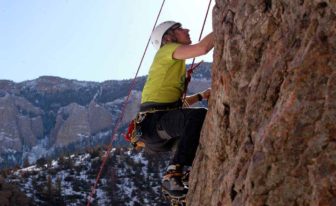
(270, 133)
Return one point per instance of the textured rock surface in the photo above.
(270, 134)
(20, 123)
(71, 125)
(75, 122)
(99, 118)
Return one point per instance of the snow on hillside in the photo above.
(129, 178)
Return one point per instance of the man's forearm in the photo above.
(207, 42)
(192, 99)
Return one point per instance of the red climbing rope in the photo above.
(192, 67)
(121, 116)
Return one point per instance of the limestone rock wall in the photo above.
(270, 133)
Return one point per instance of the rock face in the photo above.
(20, 123)
(75, 122)
(270, 133)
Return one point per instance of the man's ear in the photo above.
(166, 38)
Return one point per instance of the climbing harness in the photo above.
(134, 130)
(118, 122)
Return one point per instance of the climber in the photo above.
(164, 124)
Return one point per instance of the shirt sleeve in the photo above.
(165, 54)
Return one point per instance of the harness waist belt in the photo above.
(153, 106)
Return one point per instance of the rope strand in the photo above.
(201, 33)
(192, 68)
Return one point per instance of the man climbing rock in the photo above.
(164, 124)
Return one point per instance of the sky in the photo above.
(89, 40)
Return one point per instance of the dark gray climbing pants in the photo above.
(180, 128)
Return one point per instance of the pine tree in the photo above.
(58, 192)
(49, 188)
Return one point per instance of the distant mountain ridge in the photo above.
(50, 115)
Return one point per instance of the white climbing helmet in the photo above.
(158, 32)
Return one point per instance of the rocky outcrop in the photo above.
(99, 118)
(75, 122)
(71, 125)
(5, 86)
(270, 133)
(20, 123)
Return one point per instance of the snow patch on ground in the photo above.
(38, 151)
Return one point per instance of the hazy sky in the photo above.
(94, 40)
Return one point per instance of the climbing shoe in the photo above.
(172, 184)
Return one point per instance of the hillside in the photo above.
(129, 178)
